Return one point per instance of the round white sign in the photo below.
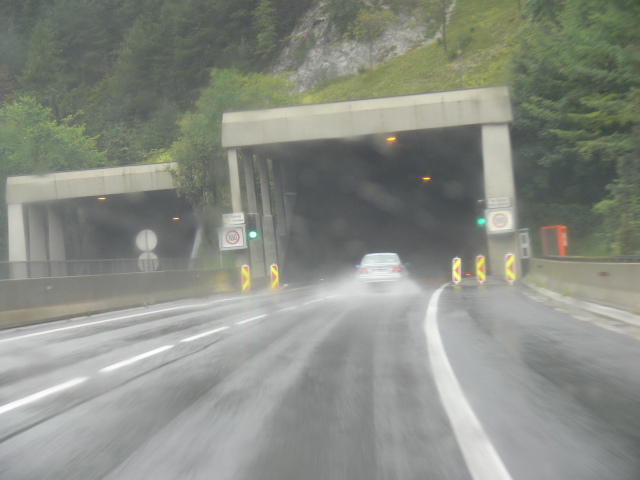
(146, 240)
(148, 262)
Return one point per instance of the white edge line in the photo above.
(252, 319)
(39, 395)
(205, 334)
(137, 358)
(182, 307)
(480, 455)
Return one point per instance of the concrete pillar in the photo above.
(17, 241)
(255, 246)
(57, 253)
(281, 224)
(234, 180)
(37, 241)
(289, 186)
(268, 230)
(499, 182)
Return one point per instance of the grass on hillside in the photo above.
(484, 29)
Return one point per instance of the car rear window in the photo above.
(380, 258)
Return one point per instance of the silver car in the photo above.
(381, 267)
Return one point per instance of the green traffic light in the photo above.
(253, 234)
(481, 221)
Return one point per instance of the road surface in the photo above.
(324, 383)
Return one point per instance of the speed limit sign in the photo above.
(500, 220)
(232, 237)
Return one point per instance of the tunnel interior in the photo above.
(106, 228)
(416, 196)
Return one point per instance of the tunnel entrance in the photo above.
(357, 192)
(415, 195)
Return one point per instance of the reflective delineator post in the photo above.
(510, 267)
(481, 272)
(275, 282)
(456, 270)
(246, 279)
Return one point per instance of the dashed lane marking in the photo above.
(288, 309)
(44, 393)
(314, 301)
(205, 334)
(481, 457)
(135, 359)
(251, 319)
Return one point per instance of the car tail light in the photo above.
(364, 270)
(397, 269)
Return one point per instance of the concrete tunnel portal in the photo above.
(346, 190)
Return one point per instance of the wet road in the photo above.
(323, 383)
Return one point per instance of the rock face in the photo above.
(315, 53)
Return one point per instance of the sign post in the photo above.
(456, 270)
(246, 279)
(275, 281)
(481, 272)
(510, 268)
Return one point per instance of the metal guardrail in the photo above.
(74, 268)
(612, 259)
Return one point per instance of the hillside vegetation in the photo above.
(87, 83)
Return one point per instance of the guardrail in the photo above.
(607, 283)
(76, 268)
(606, 259)
(27, 301)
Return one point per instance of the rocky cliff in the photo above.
(315, 53)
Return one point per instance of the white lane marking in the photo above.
(288, 309)
(481, 457)
(44, 393)
(205, 334)
(137, 358)
(183, 307)
(313, 301)
(251, 319)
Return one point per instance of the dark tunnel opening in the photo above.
(415, 196)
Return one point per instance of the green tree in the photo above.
(31, 141)
(264, 23)
(370, 25)
(202, 173)
(575, 75)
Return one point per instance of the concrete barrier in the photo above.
(29, 301)
(612, 284)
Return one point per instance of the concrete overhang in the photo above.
(367, 117)
(89, 183)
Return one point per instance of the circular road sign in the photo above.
(500, 220)
(148, 262)
(232, 237)
(146, 240)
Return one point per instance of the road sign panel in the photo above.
(510, 267)
(275, 282)
(498, 202)
(456, 270)
(500, 220)
(246, 279)
(481, 269)
(232, 238)
(229, 219)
